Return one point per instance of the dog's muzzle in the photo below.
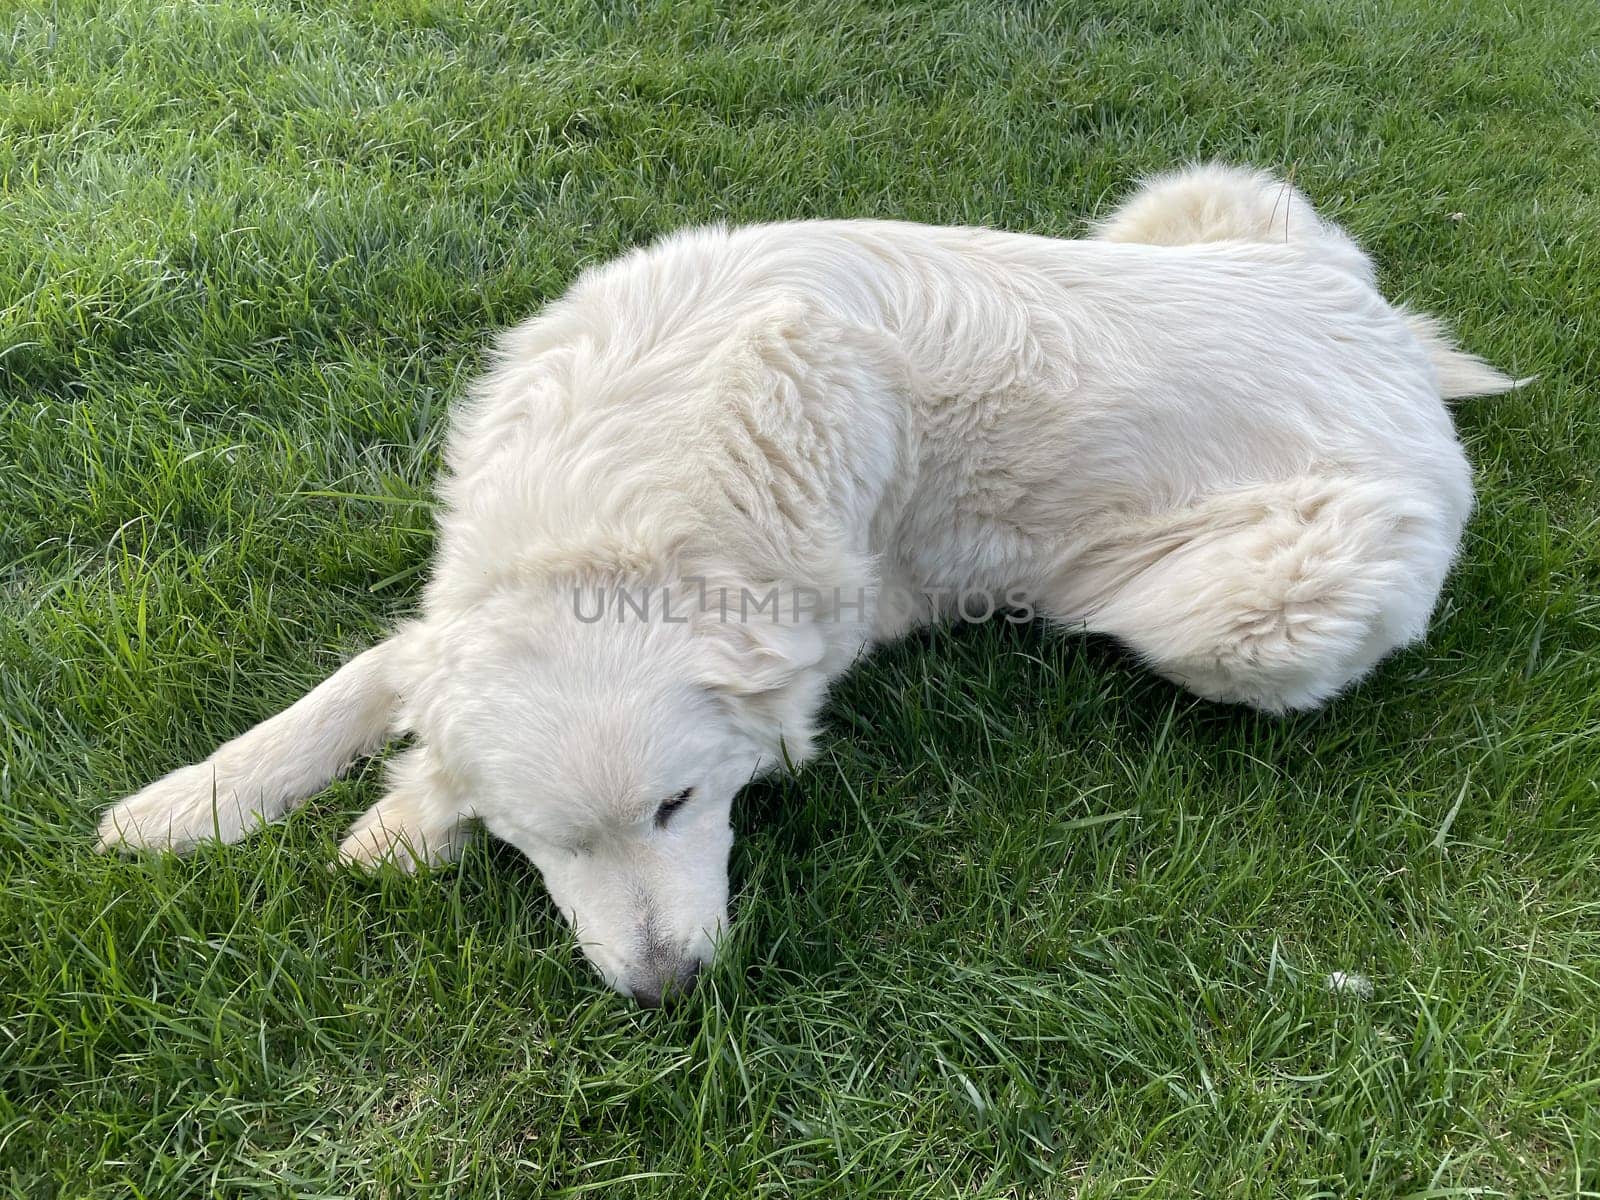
(666, 975)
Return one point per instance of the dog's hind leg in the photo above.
(418, 822)
(1277, 596)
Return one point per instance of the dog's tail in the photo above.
(262, 774)
(1213, 202)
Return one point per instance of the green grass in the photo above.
(1036, 923)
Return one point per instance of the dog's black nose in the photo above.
(656, 986)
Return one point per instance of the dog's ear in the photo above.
(765, 675)
(756, 657)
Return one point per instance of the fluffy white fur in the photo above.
(1203, 432)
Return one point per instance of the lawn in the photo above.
(1036, 923)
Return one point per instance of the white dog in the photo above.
(674, 510)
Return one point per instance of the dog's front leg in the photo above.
(419, 822)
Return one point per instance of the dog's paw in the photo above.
(173, 813)
(396, 834)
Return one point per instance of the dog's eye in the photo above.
(668, 807)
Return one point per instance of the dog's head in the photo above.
(609, 751)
